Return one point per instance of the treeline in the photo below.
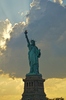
(56, 99)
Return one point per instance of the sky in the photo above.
(45, 21)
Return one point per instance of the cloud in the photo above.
(46, 24)
(13, 45)
(37, 7)
(10, 88)
(59, 1)
(17, 29)
(5, 29)
(55, 87)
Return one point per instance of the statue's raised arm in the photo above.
(26, 37)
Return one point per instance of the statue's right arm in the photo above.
(27, 39)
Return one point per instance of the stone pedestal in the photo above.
(33, 88)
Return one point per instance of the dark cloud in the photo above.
(46, 24)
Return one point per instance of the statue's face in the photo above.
(33, 42)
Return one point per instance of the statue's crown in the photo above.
(33, 41)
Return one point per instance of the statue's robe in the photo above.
(33, 55)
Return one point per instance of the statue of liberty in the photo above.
(33, 55)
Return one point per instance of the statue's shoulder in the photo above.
(36, 48)
(38, 51)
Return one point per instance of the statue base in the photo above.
(33, 88)
(33, 74)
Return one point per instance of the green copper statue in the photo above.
(33, 55)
